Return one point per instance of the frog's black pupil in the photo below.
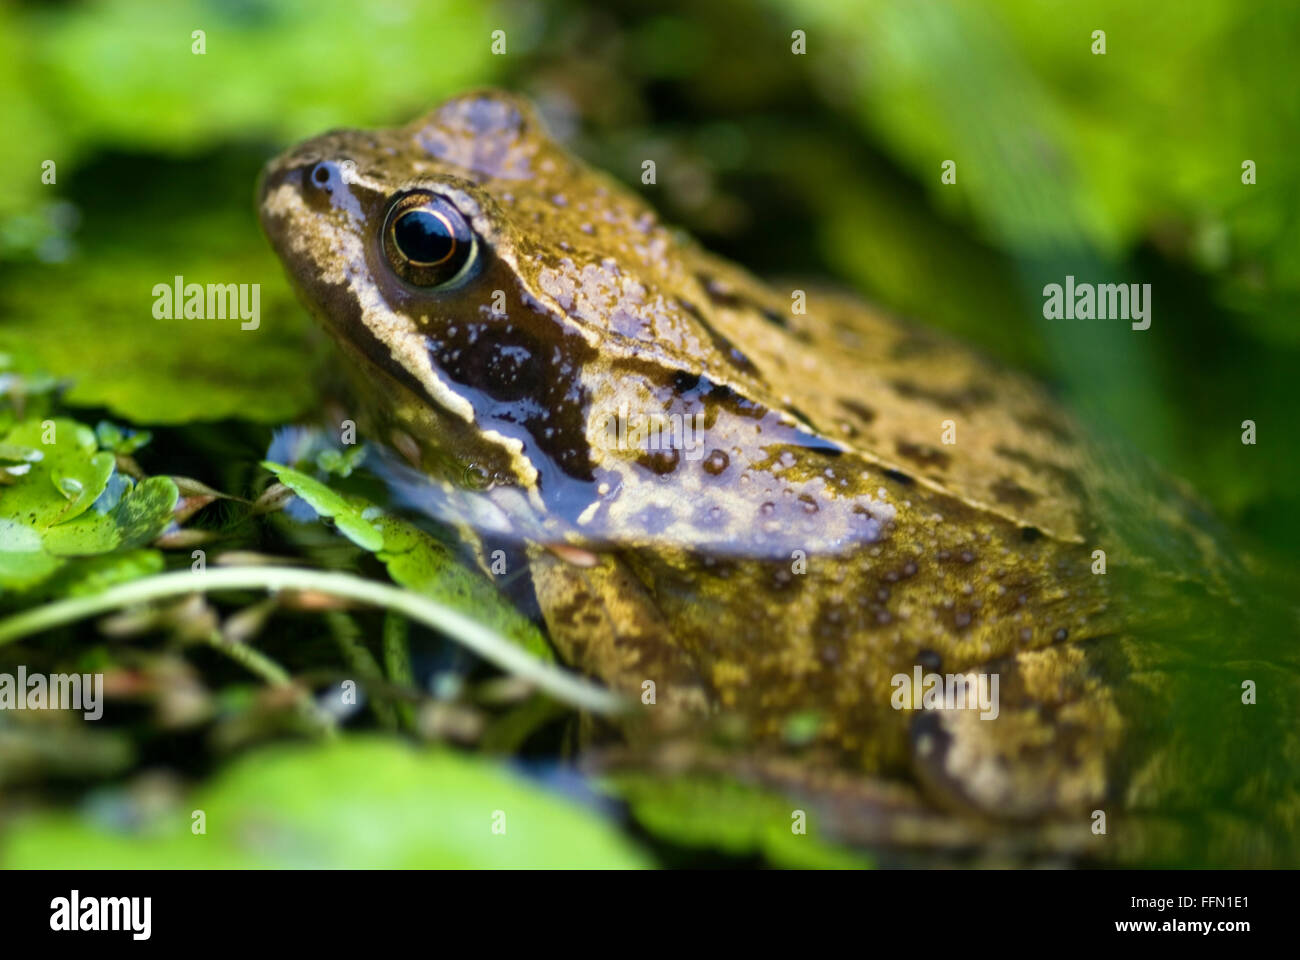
(423, 237)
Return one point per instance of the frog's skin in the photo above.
(821, 540)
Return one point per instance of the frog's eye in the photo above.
(427, 241)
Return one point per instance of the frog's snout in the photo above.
(270, 179)
(275, 175)
(293, 184)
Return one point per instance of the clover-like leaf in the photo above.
(71, 502)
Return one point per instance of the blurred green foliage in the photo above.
(739, 820)
(124, 74)
(358, 803)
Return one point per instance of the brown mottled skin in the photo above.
(821, 540)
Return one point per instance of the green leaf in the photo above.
(145, 512)
(347, 515)
(138, 518)
(341, 463)
(354, 803)
(417, 561)
(71, 503)
(726, 815)
(23, 561)
(64, 482)
(121, 441)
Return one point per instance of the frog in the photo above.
(765, 516)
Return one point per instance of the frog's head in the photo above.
(470, 259)
(417, 248)
(503, 301)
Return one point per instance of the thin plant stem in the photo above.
(491, 646)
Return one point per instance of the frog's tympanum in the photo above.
(755, 516)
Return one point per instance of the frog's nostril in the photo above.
(322, 176)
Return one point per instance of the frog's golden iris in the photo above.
(427, 241)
